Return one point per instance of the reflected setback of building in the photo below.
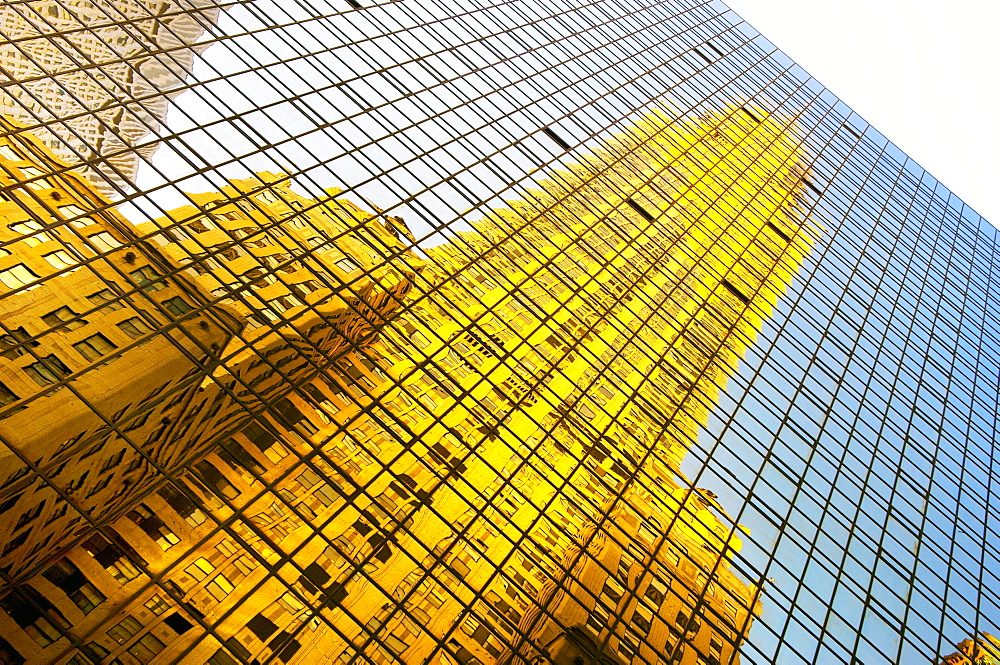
(317, 472)
(984, 650)
(137, 54)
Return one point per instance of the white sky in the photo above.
(925, 73)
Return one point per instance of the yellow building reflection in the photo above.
(491, 473)
(983, 650)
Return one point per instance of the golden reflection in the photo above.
(482, 462)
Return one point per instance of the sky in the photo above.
(927, 79)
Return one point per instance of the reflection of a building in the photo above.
(135, 50)
(118, 368)
(984, 650)
(495, 478)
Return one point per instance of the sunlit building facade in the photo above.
(119, 366)
(425, 493)
(983, 650)
(523, 334)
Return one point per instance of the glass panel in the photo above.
(459, 333)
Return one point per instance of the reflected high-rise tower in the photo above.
(673, 361)
(493, 477)
(604, 315)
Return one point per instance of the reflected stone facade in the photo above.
(119, 365)
(674, 361)
(495, 478)
(984, 650)
(95, 76)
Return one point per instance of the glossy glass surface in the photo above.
(467, 333)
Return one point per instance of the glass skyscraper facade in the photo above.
(471, 333)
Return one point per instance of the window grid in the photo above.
(481, 333)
